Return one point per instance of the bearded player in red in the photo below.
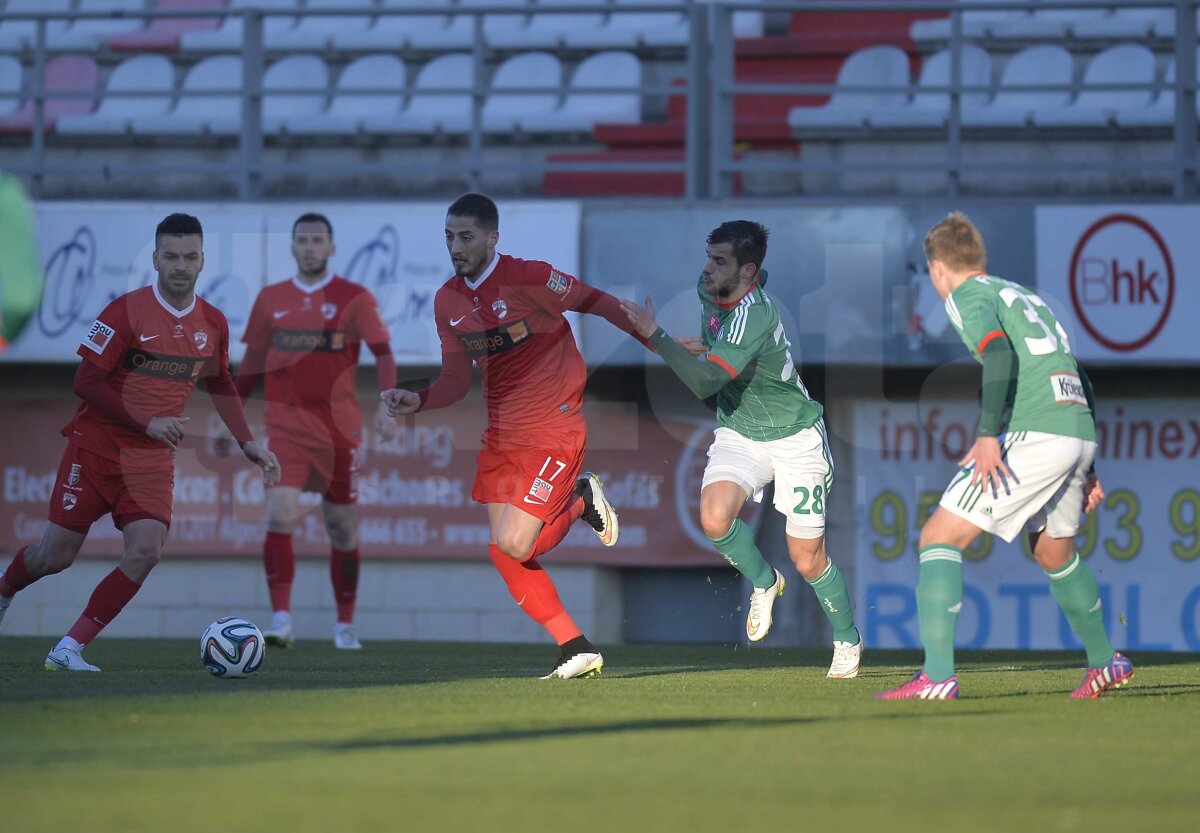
(304, 336)
(141, 360)
(506, 314)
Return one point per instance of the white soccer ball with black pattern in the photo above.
(232, 647)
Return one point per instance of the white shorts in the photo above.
(800, 465)
(1050, 471)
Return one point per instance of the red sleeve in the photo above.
(598, 302)
(560, 292)
(105, 341)
(455, 379)
(368, 324)
(225, 399)
(258, 327)
(250, 371)
(93, 387)
(385, 365)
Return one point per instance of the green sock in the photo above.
(831, 592)
(738, 547)
(1075, 589)
(939, 599)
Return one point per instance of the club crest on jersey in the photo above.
(558, 282)
(73, 477)
(500, 308)
(201, 340)
(714, 324)
(69, 501)
(98, 336)
(328, 311)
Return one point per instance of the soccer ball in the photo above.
(232, 647)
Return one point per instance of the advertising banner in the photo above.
(1122, 276)
(414, 490)
(93, 252)
(1143, 543)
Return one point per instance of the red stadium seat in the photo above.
(163, 33)
(66, 73)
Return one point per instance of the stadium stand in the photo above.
(383, 75)
(581, 110)
(72, 74)
(216, 109)
(151, 76)
(930, 108)
(10, 84)
(1128, 63)
(88, 33)
(163, 34)
(16, 35)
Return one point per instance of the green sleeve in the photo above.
(972, 309)
(999, 371)
(702, 378)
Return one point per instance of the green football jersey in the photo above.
(1048, 395)
(765, 400)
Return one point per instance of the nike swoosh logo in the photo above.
(454, 321)
(279, 314)
(522, 600)
(147, 338)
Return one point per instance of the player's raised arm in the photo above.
(703, 378)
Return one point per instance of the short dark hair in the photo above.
(747, 238)
(178, 224)
(313, 217)
(478, 207)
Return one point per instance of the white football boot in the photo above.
(67, 658)
(280, 632)
(597, 511)
(344, 638)
(758, 620)
(587, 664)
(846, 658)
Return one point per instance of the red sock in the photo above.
(532, 589)
(553, 532)
(280, 562)
(343, 572)
(111, 595)
(16, 577)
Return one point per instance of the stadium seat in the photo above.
(976, 23)
(10, 84)
(317, 32)
(932, 109)
(581, 111)
(1036, 66)
(433, 30)
(198, 114)
(627, 29)
(151, 75)
(875, 66)
(1124, 23)
(16, 35)
(64, 74)
(88, 33)
(506, 103)
(1160, 112)
(547, 30)
(294, 86)
(426, 113)
(1164, 27)
(384, 73)
(165, 33)
(1125, 64)
(228, 36)
(1046, 24)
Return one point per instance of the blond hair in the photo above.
(957, 243)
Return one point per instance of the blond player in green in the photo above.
(769, 429)
(1037, 475)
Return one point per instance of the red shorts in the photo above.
(537, 475)
(328, 471)
(89, 486)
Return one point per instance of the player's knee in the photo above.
(715, 521)
(514, 547)
(810, 561)
(281, 525)
(143, 556)
(341, 535)
(50, 560)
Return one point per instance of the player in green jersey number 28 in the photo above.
(1038, 475)
(770, 429)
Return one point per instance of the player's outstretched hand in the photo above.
(642, 318)
(168, 430)
(265, 459)
(385, 426)
(1093, 493)
(693, 345)
(400, 401)
(990, 469)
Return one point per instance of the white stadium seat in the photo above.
(228, 37)
(582, 110)
(317, 32)
(506, 103)
(22, 34)
(1125, 23)
(88, 33)
(976, 23)
(346, 112)
(1046, 24)
(1125, 64)
(1036, 66)
(117, 115)
(628, 28)
(548, 29)
(10, 85)
(203, 113)
(426, 113)
(293, 87)
(875, 66)
(932, 109)
(399, 31)
(1160, 112)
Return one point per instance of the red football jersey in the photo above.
(154, 355)
(510, 321)
(312, 336)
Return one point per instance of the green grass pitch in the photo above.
(450, 737)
